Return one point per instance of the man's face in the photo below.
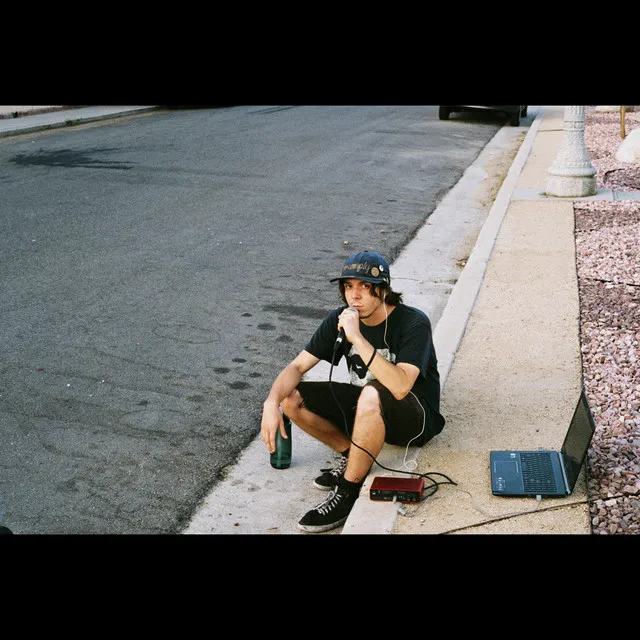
(358, 295)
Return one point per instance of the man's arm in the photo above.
(398, 378)
(284, 384)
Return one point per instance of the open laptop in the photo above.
(543, 472)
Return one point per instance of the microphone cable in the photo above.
(430, 489)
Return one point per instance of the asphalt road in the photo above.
(157, 271)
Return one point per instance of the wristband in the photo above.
(372, 357)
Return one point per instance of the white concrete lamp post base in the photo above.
(572, 174)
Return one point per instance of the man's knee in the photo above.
(292, 404)
(369, 402)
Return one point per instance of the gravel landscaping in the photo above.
(608, 266)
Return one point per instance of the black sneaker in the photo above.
(329, 478)
(331, 513)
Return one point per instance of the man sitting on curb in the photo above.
(393, 394)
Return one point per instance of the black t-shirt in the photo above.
(405, 336)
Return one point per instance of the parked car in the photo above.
(514, 113)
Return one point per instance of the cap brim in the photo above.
(364, 278)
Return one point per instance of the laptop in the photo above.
(544, 472)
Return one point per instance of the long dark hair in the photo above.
(382, 291)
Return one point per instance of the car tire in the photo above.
(443, 113)
(514, 119)
(524, 111)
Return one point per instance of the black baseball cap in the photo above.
(369, 266)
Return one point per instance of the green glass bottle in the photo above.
(281, 457)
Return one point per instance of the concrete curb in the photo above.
(452, 324)
(66, 118)
(368, 517)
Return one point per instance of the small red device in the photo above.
(402, 489)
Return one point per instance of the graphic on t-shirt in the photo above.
(359, 375)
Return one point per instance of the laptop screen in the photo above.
(576, 443)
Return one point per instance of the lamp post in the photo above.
(572, 174)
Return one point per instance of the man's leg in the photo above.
(368, 433)
(313, 424)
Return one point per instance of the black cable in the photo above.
(425, 476)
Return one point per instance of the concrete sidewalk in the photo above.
(517, 372)
(509, 358)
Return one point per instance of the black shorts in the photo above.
(406, 420)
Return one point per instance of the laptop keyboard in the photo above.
(537, 472)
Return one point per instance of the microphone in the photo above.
(340, 337)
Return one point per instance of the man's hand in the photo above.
(349, 320)
(283, 386)
(271, 422)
